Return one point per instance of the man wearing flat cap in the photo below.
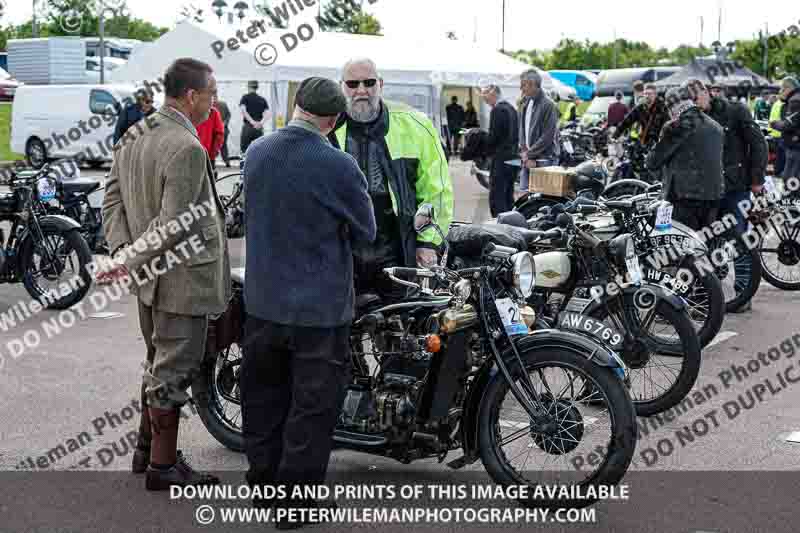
(307, 207)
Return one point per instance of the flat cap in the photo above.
(321, 97)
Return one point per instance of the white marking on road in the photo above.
(106, 314)
(793, 437)
(722, 336)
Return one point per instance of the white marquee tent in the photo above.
(415, 71)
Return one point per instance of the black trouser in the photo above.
(696, 214)
(224, 149)
(292, 384)
(501, 185)
(249, 134)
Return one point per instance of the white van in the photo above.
(67, 121)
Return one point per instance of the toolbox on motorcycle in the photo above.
(558, 181)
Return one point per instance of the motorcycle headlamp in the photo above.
(622, 248)
(524, 273)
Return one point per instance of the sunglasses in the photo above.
(353, 84)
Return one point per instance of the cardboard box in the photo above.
(558, 181)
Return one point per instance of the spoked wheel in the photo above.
(779, 254)
(55, 269)
(554, 451)
(220, 406)
(738, 268)
(705, 299)
(661, 349)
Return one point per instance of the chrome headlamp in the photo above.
(622, 248)
(524, 273)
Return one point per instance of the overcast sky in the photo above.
(531, 24)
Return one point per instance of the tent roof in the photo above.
(709, 71)
(405, 61)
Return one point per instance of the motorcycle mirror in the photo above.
(424, 218)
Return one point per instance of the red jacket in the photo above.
(212, 133)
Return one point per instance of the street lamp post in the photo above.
(102, 41)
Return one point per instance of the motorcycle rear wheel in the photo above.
(609, 390)
(218, 387)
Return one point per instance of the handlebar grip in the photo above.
(404, 272)
(588, 209)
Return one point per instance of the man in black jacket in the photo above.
(789, 126)
(745, 152)
(650, 115)
(133, 113)
(690, 152)
(502, 146)
(299, 290)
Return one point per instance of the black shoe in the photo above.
(285, 522)
(181, 474)
(141, 460)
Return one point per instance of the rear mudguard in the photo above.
(609, 191)
(540, 340)
(530, 203)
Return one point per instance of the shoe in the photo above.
(744, 308)
(141, 460)
(285, 523)
(181, 474)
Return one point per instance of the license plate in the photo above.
(511, 317)
(791, 202)
(634, 269)
(665, 280)
(592, 326)
(668, 240)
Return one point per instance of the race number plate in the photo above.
(770, 187)
(595, 328)
(664, 217)
(634, 269)
(511, 317)
(47, 189)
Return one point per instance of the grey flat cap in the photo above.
(321, 97)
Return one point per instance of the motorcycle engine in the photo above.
(374, 405)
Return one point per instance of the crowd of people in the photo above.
(330, 201)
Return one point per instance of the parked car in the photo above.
(8, 86)
(582, 81)
(61, 121)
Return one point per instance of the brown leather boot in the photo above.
(164, 451)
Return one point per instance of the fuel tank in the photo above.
(553, 269)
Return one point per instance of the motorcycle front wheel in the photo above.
(58, 261)
(556, 451)
(662, 351)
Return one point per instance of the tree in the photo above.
(347, 17)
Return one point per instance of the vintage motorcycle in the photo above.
(46, 252)
(458, 368)
(602, 280)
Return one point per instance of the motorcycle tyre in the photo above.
(621, 447)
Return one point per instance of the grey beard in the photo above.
(366, 115)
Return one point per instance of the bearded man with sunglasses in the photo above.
(399, 151)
